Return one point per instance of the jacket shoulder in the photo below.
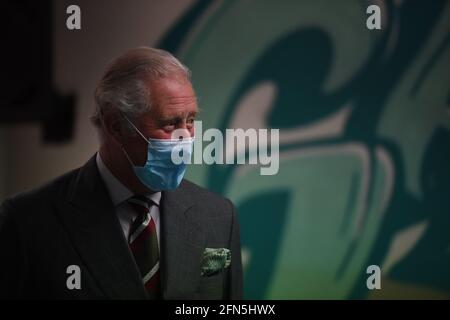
(207, 198)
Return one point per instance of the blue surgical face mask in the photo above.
(166, 162)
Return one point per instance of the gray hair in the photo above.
(124, 85)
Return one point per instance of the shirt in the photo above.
(119, 195)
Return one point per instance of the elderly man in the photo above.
(126, 225)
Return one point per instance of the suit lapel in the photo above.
(182, 245)
(90, 219)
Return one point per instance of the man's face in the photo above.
(174, 106)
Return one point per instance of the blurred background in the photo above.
(364, 119)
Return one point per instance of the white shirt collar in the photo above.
(117, 190)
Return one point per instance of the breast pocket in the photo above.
(212, 287)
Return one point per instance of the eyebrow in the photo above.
(179, 117)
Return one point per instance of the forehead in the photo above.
(172, 97)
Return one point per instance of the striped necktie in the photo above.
(143, 242)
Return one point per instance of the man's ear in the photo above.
(113, 127)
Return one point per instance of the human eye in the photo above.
(190, 121)
(169, 125)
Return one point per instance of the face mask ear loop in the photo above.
(132, 124)
(126, 155)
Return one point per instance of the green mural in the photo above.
(364, 125)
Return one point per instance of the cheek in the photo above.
(137, 150)
(161, 134)
(157, 133)
(142, 154)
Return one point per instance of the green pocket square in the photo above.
(214, 260)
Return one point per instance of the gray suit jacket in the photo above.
(71, 221)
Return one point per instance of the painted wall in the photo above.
(108, 29)
(365, 140)
(364, 125)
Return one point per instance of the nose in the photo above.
(188, 128)
(183, 125)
